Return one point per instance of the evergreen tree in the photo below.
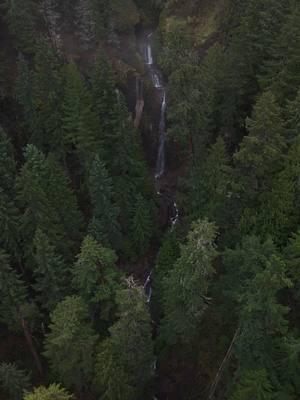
(50, 273)
(80, 124)
(96, 278)
(168, 253)
(104, 226)
(47, 94)
(186, 287)
(254, 384)
(69, 346)
(53, 392)
(47, 202)
(21, 18)
(255, 275)
(210, 186)
(9, 215)
(124, 367)
(16, 311)
(13, 381)
(142, 225)
(282, 69)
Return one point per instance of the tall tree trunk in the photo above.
(222, 367)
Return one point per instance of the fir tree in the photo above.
(124, 367)
(50, 273)
(69, 346)
(186, 287)
(96, 278)
(104, 226)
(53, 392)
(80, 124)
(13, 381)
(142, 225)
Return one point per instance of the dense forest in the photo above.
(149, 194)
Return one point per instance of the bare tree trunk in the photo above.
(222, 366)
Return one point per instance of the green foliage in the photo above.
(13, 381)
(21, 18)
(96, 278)
(69, 346)
(142, 225)
(47, 202)
(50, 273)
(80, 124)
(47, 94)
(104, 226)
(166, 258)
(9, 215)
(255, 276)
(14, 304)
(186, 287)
(282, 69)
(53, 392)
(210, 186)
(124, 367)
(254, 385)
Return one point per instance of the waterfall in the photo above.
(160, 165)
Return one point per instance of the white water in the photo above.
(157, 82)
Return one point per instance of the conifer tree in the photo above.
(69, 346)
(96, 278)
(124, 367)
(53, 392)
(80, 124)
(47, 94)
(21, 18)
(104, 226)
(254, 384)
(210, 186)
(186, 287)
(260, 154)
(16, 311)
(9, 215)
(13, 381)
(167, 256)
(282, 69)
(50, 273)
(47, 202)
(142, 225)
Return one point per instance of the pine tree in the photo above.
(104, 226)
(69, 346)
(259, 158)
(210, 186)
(186, 287)
(47, 202)
(47, 95)
(96, 278)
(21, 18)
(255, 275)
(124, 367)
(168, 253)
(254, 384)
(282, 69)
(50, 273)
(80, 124)
(16, 311)
(13, 381)
(142, 225)
(53, 392)
(9, 215)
